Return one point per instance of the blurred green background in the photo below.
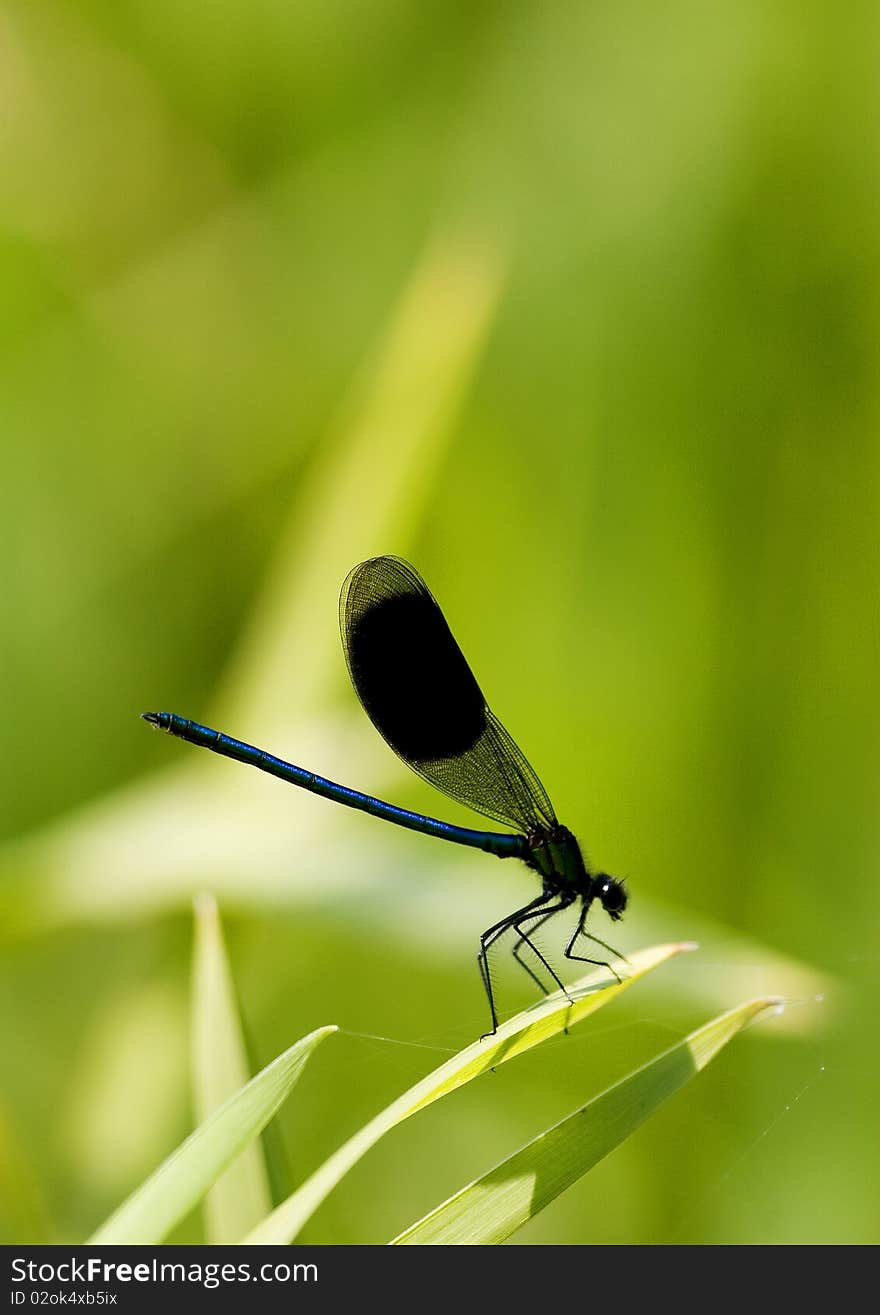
(575, 305)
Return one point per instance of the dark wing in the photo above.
(420, 694)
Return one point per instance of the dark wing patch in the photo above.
(419, 692)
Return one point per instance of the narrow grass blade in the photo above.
(514, 1037)
(240, 1197)
(369, 483)
(495, 1205)
(182, 1180)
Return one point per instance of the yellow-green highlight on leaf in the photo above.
(181, 1181)
(520, 1033)
(367, 488)
(240, 1197)
(501, 1201)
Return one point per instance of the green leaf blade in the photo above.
(495, 1205)
(372, 477)
(183, 1178)
(519, 1034)
(240, 1197)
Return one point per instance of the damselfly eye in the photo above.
(612, 894)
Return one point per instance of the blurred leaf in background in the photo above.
(574, 306)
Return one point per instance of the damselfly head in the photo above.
(610, 893)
